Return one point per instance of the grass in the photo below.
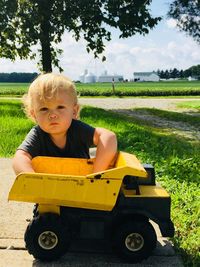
(190, 104)
(176, 161)
(13, 126)
(13, 88)
(122, 89)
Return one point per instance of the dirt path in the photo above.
(127, 103)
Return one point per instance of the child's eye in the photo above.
(43, 109)
(60, 107)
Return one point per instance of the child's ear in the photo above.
(76, 109)
(32, 113)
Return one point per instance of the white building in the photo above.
(109, 78)
(82, 76)
(190, 78)
(146, 76)
(91, 78)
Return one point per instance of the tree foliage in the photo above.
(187, 14)
(8, 47)
(193, 71)
(26, 23)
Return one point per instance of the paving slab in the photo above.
(13, 223)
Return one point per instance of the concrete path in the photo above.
(13, 223)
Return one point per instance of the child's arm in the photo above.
(106, 143)
(22, 162)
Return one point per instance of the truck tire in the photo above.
(47, 237)
(135, 241)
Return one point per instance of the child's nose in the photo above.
(52, 115)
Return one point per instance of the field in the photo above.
(121, 89)
(175, 158)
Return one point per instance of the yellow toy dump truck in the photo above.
(115, 204)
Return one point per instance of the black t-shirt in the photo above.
(79, 140)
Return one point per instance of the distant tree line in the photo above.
(17, 77)
(193, 71)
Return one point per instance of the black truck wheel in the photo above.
(135, 241)
(47, 237)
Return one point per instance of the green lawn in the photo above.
(176, 161)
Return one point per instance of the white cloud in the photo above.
(117, 47)
(135, 50)
(125, 59)
(171, 23)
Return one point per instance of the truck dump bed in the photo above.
(70, 182)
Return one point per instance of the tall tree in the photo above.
(174, 73)
(187, 15)
(44, 22)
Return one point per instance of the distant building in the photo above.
(146, 76)
(82, 76)
(91, 78)
(190, 78)
(109, 78)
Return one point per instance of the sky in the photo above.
(163, 48)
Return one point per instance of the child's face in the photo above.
(55, 115)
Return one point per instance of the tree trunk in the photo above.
(46, 52)
(44, 7)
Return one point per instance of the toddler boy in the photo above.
(51, 102)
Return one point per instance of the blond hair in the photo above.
(47, 86)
